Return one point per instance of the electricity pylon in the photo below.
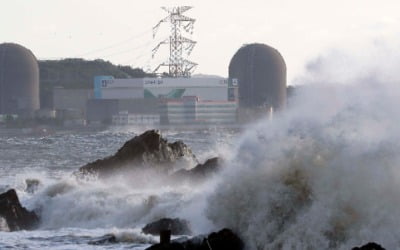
(180, 47)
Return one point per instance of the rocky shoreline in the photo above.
(15, 215)
(146, 152)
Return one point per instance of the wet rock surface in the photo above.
(370, 246)
(16, 216)
(199, 172)
(222, 240)
(176, 226)
(148, 150)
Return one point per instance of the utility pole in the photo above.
(180, 47)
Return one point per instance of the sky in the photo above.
(120, 31)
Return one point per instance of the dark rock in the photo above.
(170, 246)
(201, 171)
(222, 240)
(370, 246)
(177, 227)
(225, 239)
(16, 216)
(165, 236)
(103, 240)
(146, 150)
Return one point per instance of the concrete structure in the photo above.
(101, 111)
(104, 110)
(164, 101)
(4, 118)
(73, 100)
(261, 74)
(46, 114)
(212, 89)
(19, 80)
(124, 118)
(192, 110)
(106, 87)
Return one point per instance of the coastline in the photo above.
(44, 131)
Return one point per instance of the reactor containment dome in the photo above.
(19, 80)
(261, 74)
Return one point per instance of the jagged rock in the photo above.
(177, 227)
(370, 246)
(201, 171)
(225, 239)
(222, 240)
(170, 246)
(16, 216)
(146, 150)
(4, 188)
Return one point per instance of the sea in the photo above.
(322, 174)
(77, 213)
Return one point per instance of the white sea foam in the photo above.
(121, 202)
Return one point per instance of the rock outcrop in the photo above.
(222, 240)
(200, 172)
(148, 150)
(370, 246)
(177, 227)
(16, 216)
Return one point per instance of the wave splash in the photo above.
(323, 175)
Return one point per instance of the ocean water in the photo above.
(76, 212)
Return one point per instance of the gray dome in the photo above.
(261, 74)
(19, 80)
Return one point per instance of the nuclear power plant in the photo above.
(171, 98)
(19, 80)
(261, 74)
(255, 88)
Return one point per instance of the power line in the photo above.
(115, 44)
(135, 58)
(141, 55)
(127, 50)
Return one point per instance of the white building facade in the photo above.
(205, 100)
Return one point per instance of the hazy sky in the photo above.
(120, 30)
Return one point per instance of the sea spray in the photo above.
(121, 201)
(322, 175)
(99, 204)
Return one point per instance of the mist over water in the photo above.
(325, 173)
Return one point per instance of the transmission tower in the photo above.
(180, 47)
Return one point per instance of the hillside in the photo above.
(78, 73)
